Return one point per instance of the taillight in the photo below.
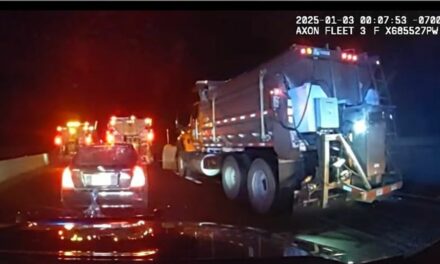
(349, 57)
(110, 137)
(89, 140)
(67, 182)
(148, 121)
(112, 120)
(58, 140)
(276, 91)
(150, 136)
(138, 179)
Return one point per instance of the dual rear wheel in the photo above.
(254, 180)
(246, 179)
(234, 174)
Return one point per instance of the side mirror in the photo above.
(179, 127)
(191, 120)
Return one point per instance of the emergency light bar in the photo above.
(73, 124)
(349, 56)
(315, 52)
(131, 119)
(325, 53)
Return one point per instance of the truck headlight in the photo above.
(360, 127)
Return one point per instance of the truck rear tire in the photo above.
(262, 186)
(234, 175)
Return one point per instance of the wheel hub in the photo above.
(259, 184)
(230, 175)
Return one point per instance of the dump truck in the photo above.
(135, 131)
(306, 128)
(70, 137)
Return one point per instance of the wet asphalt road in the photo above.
(396, 225)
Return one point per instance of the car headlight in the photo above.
(360, 127)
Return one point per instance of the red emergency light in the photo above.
(112, 120)
(89, 140)
(58, 140)
(110, 137)
(150, 136)
(148, 121)
(349, 57)
(276, 91)
(306, 51)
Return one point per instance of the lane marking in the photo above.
(191, 179)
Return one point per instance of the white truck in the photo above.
(74, 134)
(310, 126)
(133, 130)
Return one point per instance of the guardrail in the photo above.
(13, 167)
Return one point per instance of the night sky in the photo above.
(56, 66)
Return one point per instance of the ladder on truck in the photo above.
(380, 83)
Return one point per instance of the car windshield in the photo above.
(116, 156)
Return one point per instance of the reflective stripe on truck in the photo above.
(371, 195)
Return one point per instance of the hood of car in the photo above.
(71, 239)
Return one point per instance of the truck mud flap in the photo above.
(169, 157)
